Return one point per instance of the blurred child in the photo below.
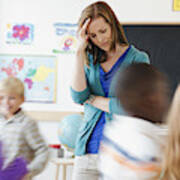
(15, 170)
(171, 157)
(19, 134)
(132, 145)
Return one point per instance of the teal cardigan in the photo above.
(91, 113)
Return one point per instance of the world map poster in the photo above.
(37, 72)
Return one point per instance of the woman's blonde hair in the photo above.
(171, 160)
(12, 85)
(102, 9)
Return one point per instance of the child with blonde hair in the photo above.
(19, 134)
(171, 157)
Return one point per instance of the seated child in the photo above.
(132, 145)
(19, 134)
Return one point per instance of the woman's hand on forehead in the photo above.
(82, 34)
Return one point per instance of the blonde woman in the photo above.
(103, 51)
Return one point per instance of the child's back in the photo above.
(132, 145)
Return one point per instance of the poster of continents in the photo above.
(37, 72)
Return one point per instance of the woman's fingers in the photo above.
(85, 25)
(83, 31)
(82, 35)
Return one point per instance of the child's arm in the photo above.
(38, 145)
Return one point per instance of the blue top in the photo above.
(105, 79)
(91, 113)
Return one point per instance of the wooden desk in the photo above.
(64, 162)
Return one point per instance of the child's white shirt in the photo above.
(131, 149)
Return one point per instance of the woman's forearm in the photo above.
(78, 75)
(99, 102)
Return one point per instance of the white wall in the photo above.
(146, 11)
(43, 14)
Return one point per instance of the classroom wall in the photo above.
(43, 14)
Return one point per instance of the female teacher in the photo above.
(103, 50)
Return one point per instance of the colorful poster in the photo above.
(66, 38)
(19, 33)
(37, 72)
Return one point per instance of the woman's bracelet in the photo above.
(91, 99)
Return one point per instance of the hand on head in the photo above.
(82, 34)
